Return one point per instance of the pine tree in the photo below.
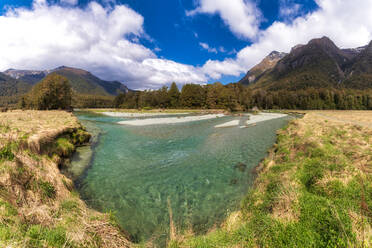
(174, 95)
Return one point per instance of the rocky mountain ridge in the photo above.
(318, 64)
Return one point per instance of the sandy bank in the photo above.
(170, 120)
(253, 119)
(136, 115)
(263, 117)
(233, 123)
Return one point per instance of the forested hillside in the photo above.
(11, 89)
(87, 89)
(236, 97)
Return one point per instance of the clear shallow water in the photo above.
(139, 172)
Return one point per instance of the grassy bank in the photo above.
(38, 205)
(313, 190)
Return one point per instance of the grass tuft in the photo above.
(6, 152)
(47, 189)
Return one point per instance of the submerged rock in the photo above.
(241, 167)
(233, 181)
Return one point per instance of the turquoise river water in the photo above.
(141, 173)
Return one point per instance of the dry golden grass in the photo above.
(31, 182)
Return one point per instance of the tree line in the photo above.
(54, 92)
(236, 97)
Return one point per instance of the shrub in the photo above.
(53, 92)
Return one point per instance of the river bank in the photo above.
(39, 206)
(313, 190)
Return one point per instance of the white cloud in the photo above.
(347, 23)
(71, 2)
(241, 16)
(288, 9)
(215, 69)
(205, 46)
(101, 40)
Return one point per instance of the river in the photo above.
(196, 171)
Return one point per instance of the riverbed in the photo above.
(194, 170)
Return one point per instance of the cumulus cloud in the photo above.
(205, 46)
(241, 16)
(288, 9)
(215, 69)
(347, 23)
(101, 40)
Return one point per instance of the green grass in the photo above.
(47, 189)
(80, 137)
(70, 206)
(39, 236)
(6, 152)
(9, 210)
(320, 207)
(64, 147)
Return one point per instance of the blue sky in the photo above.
(200, 41)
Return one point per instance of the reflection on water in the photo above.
(202, 170)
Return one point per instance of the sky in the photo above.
(150, 43)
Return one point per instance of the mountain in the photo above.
(360, 73)
(10, 86)
(28, 76)
(354, 51)
(266, 64)
(319, 64)
(82, 82)
(11, 89)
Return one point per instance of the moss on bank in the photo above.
(314, 190)
(38, 205)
